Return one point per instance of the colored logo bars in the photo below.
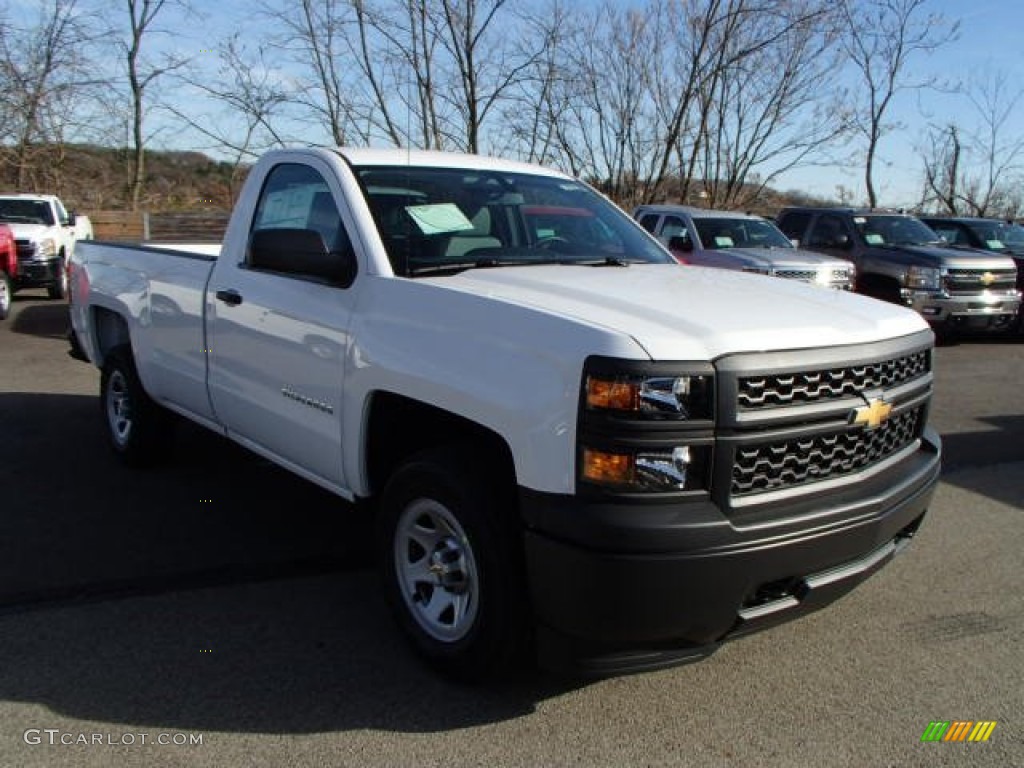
(958, 730)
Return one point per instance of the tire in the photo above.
(453, 565)
(6, 290)
(59, 290)
(140, 431)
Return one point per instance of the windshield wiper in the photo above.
(454, 267)
(607, 261)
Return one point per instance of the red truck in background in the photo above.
(8, 268)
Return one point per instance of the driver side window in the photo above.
(297, 197)
(826, 232)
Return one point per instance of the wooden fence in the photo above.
(125, 226)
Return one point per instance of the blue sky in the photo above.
(990, 38)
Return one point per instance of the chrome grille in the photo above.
(783, 464)
(975, 279)
(780, 390)
(807, 275)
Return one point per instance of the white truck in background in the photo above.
(45, 233)
(574, 447)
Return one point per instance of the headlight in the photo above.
(653, 470)
(47, 248)
(645, 427)
(924, 279)
(650, 397)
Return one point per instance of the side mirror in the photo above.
(842, 241)
(680, 243)
(72, 218)
(301, 252)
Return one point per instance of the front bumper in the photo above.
(994, 310)
(626, 587)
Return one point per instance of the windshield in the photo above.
(1014, 236)
(894, 230)
(435, 220)
(739, 233)
(994, 234)
(25, 211)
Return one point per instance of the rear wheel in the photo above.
(452, 563)
(5, 295)
(138, 429)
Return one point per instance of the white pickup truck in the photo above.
(45, 234)
(575, 446)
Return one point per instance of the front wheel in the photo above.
(452, 564)
(5, 295)
(138, 429)
(60, 287)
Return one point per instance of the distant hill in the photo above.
(93, 178)
(89, 177)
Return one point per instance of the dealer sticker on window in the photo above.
(438, 218)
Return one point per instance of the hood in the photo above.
(937, 256)
(693, 313)
(785, 257)
(30, 231)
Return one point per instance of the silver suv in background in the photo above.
(740, 241)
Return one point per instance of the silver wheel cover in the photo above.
(119, 408)
(436, 570)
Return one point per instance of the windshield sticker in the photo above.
(859, 220)
(872, 238)
(995, 245)
(438, 218)
(724, 242)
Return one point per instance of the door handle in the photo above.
(231, 297)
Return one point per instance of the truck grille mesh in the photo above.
(974, 280)
(797, 461)
(807, 275)
(780, 390)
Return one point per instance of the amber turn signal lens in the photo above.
(612, 395)
(607, 468)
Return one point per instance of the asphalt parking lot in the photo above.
(219, 599)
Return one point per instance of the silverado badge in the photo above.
(873, 414)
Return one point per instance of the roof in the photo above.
(695, 213)
(963, 219)
(845, 209)
(363, 156)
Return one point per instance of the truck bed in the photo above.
(161, 288)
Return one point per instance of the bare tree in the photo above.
(942, 173)
(769, 113)
(599, 108)
(880, 38)
(41, 65)
(142, 73)
(996, 143)
(973, 166)
(248, 98)
(529, 112)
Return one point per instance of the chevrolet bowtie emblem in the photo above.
(873, 414)
(988, 278)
